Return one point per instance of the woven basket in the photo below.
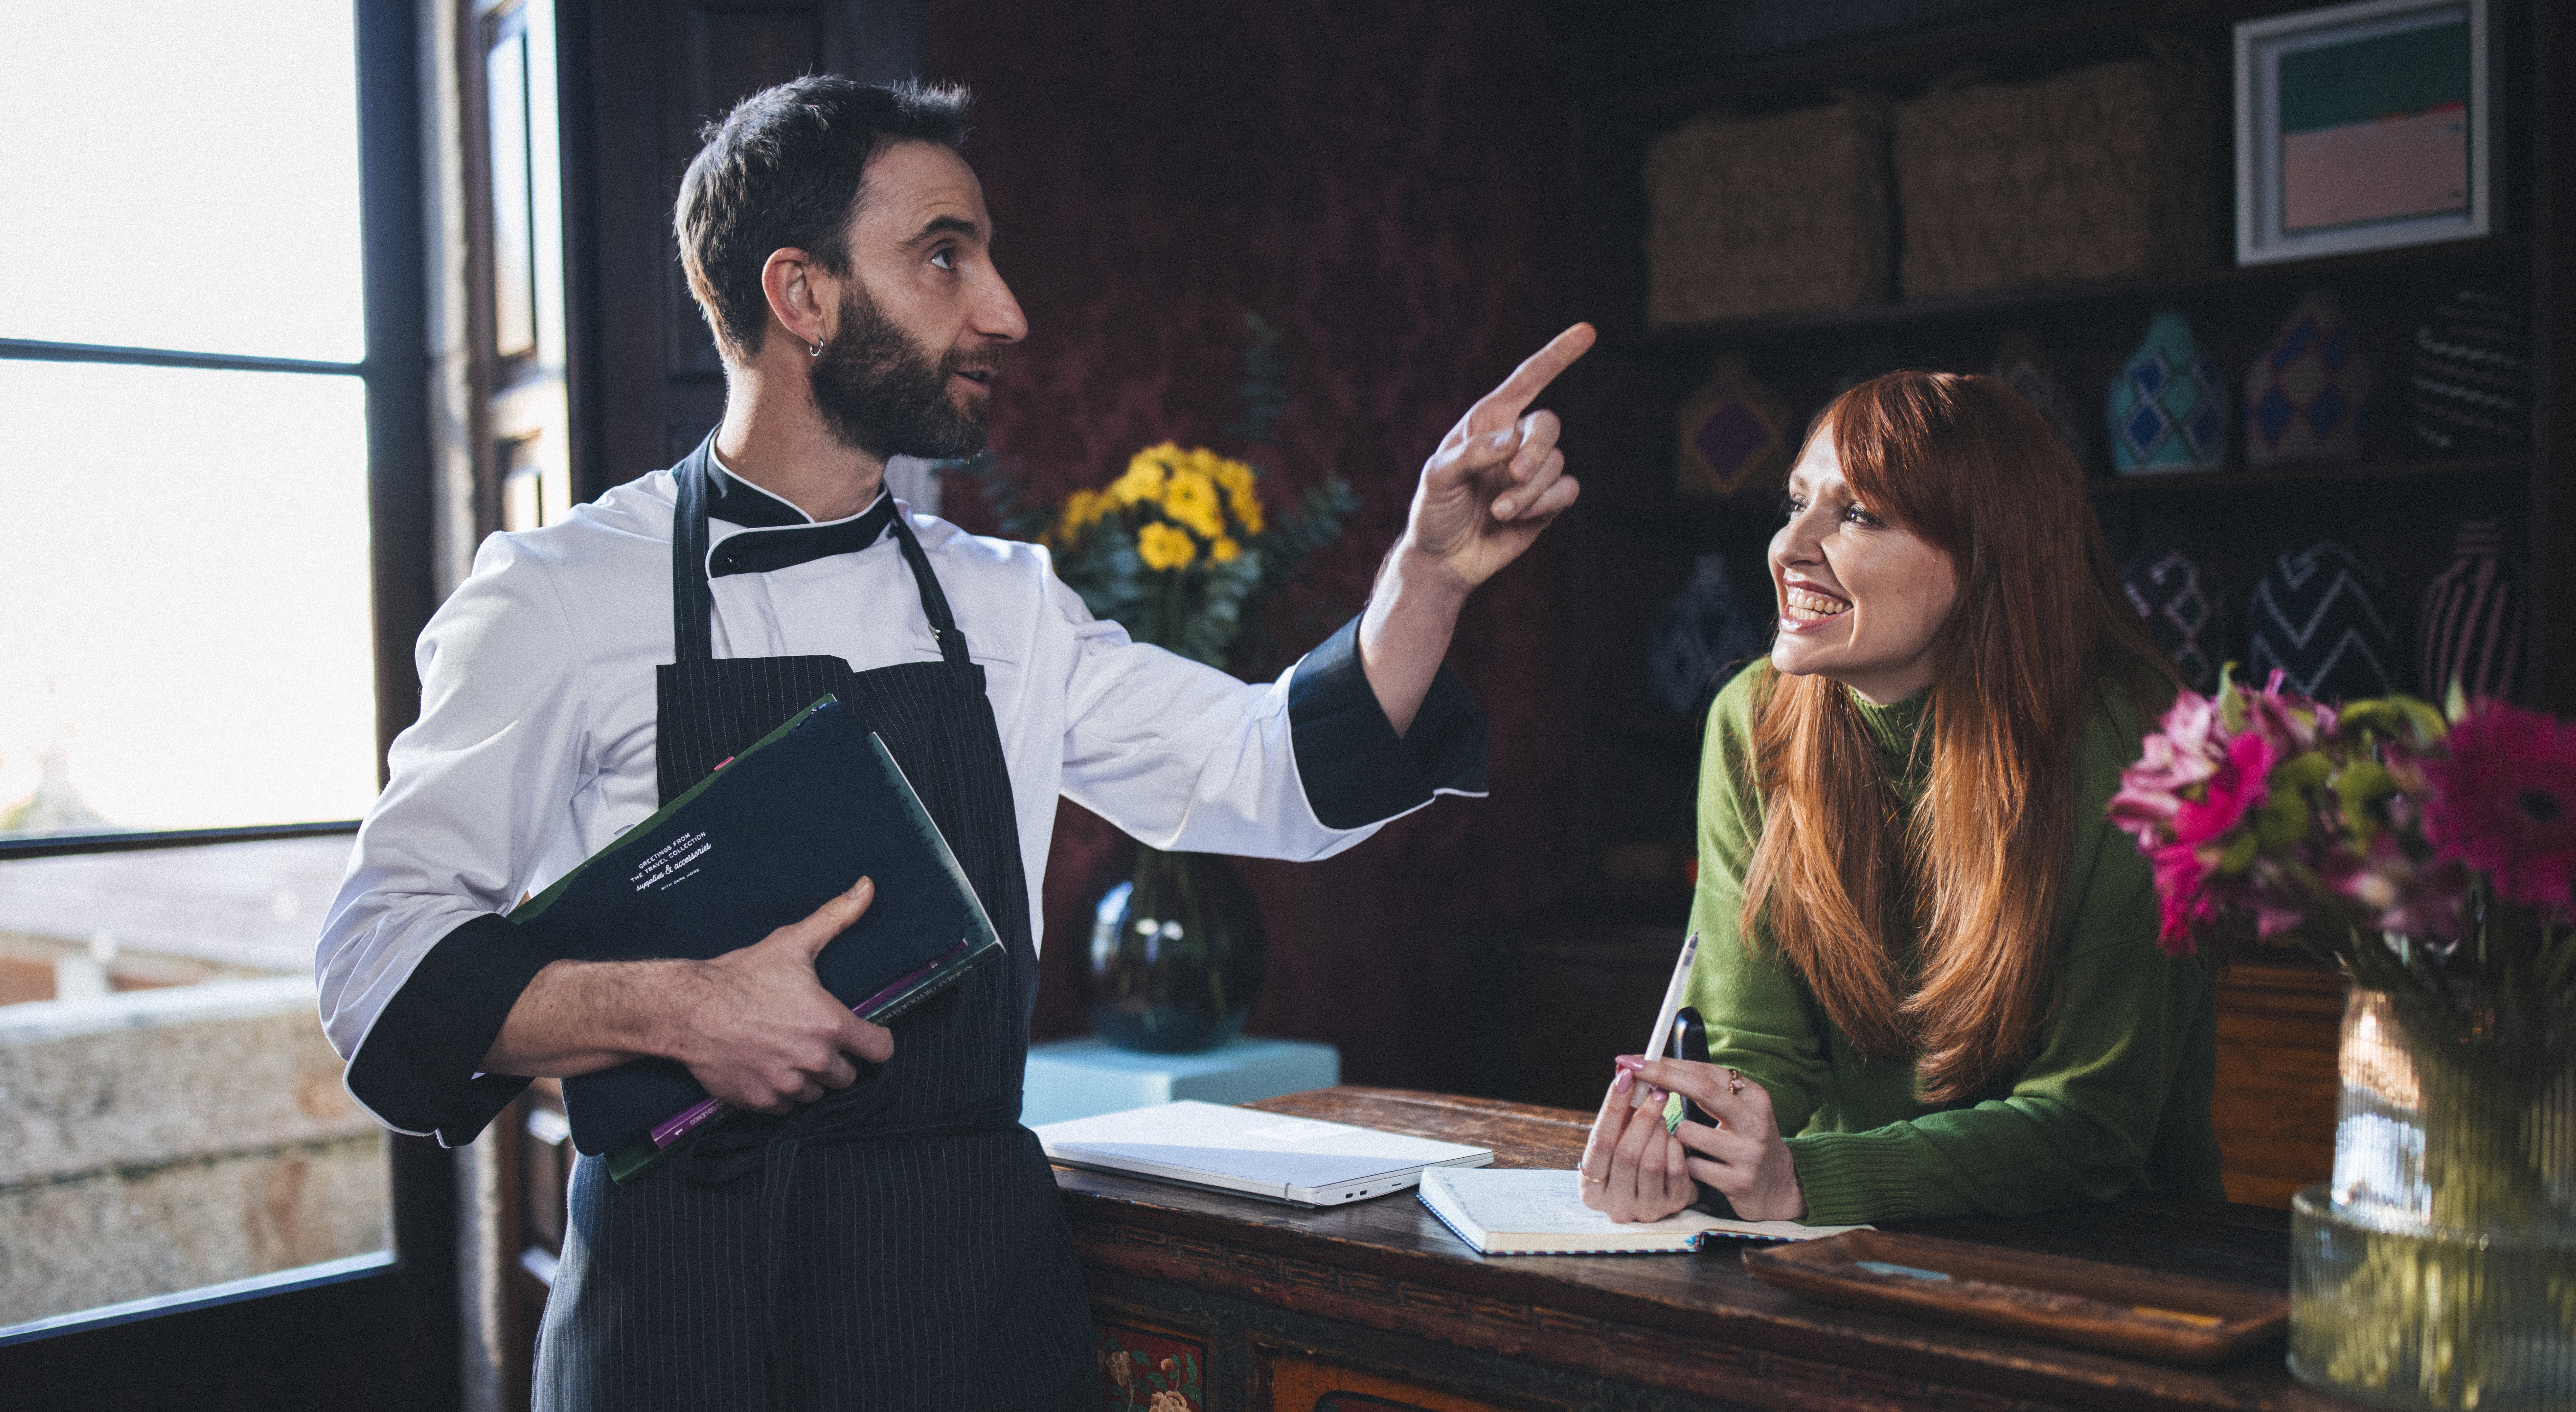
(1768, 215)
(2104, 171)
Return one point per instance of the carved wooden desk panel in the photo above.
(1243, 1304)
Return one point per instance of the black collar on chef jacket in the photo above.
(777, 535)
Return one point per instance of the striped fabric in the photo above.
(902, 1242)
(2468, 387)
(2322, 616)
(2474, 617)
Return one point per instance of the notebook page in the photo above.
(1526, 1202)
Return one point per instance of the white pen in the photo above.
(1662, 1039)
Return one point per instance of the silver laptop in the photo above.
(1301, 1160)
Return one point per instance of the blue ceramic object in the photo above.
(2307, 397)
(2168, 406)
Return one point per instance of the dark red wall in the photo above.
(1386, 182)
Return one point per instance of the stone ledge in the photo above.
(105, 1237)
(151, 1077)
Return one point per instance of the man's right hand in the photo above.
(762, 1033)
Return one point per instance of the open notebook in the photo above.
(1525, 1212)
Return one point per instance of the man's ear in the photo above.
(800, 293)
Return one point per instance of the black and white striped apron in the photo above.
(898, 1244)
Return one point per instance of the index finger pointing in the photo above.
(1534, 374)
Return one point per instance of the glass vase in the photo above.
(2438, 1268)
(1176, 954)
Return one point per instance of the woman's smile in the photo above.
(1861, 598)
(1803, 608)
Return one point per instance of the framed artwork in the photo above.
(2360, 127)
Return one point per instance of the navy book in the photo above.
(768, 837)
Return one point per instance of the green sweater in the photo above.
(2115, 1102)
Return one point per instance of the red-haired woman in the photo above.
(1928, 965)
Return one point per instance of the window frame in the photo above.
(390, 1326)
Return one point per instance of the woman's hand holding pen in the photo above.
(1629, 1166)
(1632, 1169)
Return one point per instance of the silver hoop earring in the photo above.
(814, 350)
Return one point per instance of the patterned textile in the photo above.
(2025, 365)
(2322, 616)
(2469, 387)
(1734, 435)
(2168, 408)
(2185, 610)
(2474, 617)
(2307, 397)
(1701, 637)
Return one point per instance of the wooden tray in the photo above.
(2136, 1313)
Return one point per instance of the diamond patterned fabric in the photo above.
(2184, 608)
(2308, 391)
(1734, 435)
(2168, 408)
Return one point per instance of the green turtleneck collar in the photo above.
(1894, 729)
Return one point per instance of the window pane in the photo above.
(182, 175)
(170, 1115)
(183, 599)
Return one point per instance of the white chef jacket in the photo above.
(535, 743)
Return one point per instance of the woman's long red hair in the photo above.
(2040, 623)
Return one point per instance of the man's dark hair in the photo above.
(786, 168)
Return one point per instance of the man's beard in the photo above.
(886, 395)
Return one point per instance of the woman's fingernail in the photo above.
(1502, 509)
(1630, 1061)
(1620, 1084)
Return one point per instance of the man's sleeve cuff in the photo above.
(1356, 770)
(417, 1068)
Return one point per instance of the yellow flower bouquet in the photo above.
(1179, 547)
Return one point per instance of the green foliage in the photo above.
(1264, 388)
(1179, 549)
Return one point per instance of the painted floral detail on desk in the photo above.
(1145, 1371)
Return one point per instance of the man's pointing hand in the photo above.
(1497, 478)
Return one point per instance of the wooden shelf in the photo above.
(1699, 519)
(2002, 305)
(2313, 473)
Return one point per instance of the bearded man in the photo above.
(878, 1230)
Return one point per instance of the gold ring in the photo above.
(1587, 1176)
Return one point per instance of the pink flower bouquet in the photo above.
(2431, 854)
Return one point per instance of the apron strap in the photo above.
(693, 604)
(934, 602)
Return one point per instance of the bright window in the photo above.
(186, 623)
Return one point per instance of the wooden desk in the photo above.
(1377, 1305)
